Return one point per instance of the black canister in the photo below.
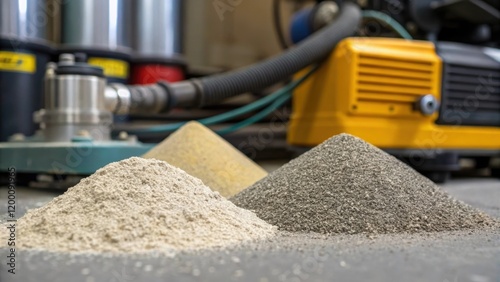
(22, 67)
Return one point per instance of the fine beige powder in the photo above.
(138, 205)
(200, 152)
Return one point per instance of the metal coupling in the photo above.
(117, 98)
(137, 99)
(325, 13)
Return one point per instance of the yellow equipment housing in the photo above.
(368, 88)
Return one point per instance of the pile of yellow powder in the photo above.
(202, 153)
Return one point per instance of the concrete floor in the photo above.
(445, 257)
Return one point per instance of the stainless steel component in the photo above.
(118, 98)
(54, 23)
(66, 58)
(427, 105)
(73, 103)
(111, 100)
(158, 27)
(102, 24)
(24, 19)
(327, 12)
(121, 99)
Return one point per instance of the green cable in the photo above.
(257, 117)
(392, 23)
(214, 119)
(228, 115)
(264, 113)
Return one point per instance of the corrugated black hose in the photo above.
(213, 89)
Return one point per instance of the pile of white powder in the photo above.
(139, 205)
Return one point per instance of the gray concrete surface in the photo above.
(453, 257)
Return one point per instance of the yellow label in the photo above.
(19, 62)
(111, 67)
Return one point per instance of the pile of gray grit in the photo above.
(348, 186)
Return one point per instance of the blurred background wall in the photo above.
(232, 38)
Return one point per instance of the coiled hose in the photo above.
(213, 89)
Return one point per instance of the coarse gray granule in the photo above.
(346, 185)
(138, 205)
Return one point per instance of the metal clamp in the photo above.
(118, 98)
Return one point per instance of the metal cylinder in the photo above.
(158, 27)
(137, 99)
(21, 81)
(24, 51)
(102, 24)
(24, 19)
(74, 105)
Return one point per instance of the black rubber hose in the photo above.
(319, 45)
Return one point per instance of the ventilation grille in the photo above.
(393, 82)
(470, 96)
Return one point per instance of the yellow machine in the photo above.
(399, 95)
